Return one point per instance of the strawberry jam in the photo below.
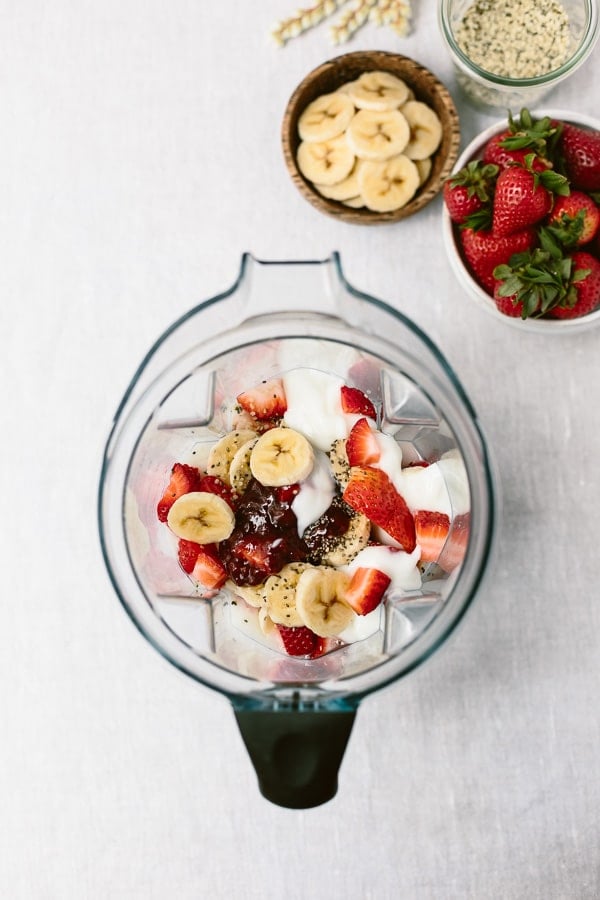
(265, 537)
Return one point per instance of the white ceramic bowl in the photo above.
(450, 232)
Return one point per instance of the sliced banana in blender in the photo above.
(325, 162)
(201, 517)
(222, 452)
(350, 543)
(378, 135)
(319, 600)
(326, 117)
(389, 185)
(378, 90)
(280, 593)
(240, 472)
(425, 130)
(281, 456)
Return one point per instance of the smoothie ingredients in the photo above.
(368, 143)
(515, 38)
(531, 241)
(306, 523)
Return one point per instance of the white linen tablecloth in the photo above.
(139, 157)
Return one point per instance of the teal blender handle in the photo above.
(296, 753)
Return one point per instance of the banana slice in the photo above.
(281, 456)
(423, 168)
(389, 185)
(355, 202)
(338, 458)
(222, 453)
(239, 469)
(378, 90)
(352, 542)
(252, 594)
(319, 600)
(325, 162)
(280, 593)
(201, 517)
(326, 117)
(343, 190)
(378, 135)
(266, 623)
(425, 130)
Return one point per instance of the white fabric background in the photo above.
(139, 156)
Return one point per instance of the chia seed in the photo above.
(515, 38)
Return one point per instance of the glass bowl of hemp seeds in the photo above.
(510, 53)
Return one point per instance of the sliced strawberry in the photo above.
(366, 589)
(439, 542)
(208, 569)
(184, 479)
(362, 448)
(213, 485)
(301, 641)
(187, 554)
(354, 401)
(432, 529)
(370, 491)
(264, 401)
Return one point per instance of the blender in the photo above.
(295, 714)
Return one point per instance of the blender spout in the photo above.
(296, 753)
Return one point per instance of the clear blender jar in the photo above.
(295, 714)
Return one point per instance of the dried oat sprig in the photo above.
(351, 20)
(304, 19)
(396, 14)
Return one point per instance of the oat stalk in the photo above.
(396, 14)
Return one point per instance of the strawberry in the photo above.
(509, 305)
(184, 479)
(187, 554)
(469, 193)
(264, 401)
(583, 295)
(575, 219)
(524, 197)
(371, 492)
(354, 401)
(580, 149)
(548, 282)
(366, 589)
(208, 569)
(523, 137)
(213, 485)
(362, 448)
(300, 641)
(439, 542)
(484, 251)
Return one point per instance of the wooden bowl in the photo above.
(426, 87)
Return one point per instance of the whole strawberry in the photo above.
(524, 136)
(575, 219)
(484, 251)
(469, 192)
(524, 197)
(580, 150)
(584, 288)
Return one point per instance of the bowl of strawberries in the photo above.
(521, 220)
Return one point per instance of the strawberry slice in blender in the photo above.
(362, 448)
(213, 485)
(439, 542)
(366, 589)
(184, 479)
(301, 641)
(187, 554)
(264, 401)
(355, 401)
(208, 569)
(370, 491)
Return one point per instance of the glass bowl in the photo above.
(472, 288)
(525, 86)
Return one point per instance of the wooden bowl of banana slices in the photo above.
(370, 137)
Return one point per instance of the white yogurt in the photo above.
(441, 487)
(400, 567)
(314, 406)
(315, 494)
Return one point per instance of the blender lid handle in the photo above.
(296, 753)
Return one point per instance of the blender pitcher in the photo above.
(295, 713)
